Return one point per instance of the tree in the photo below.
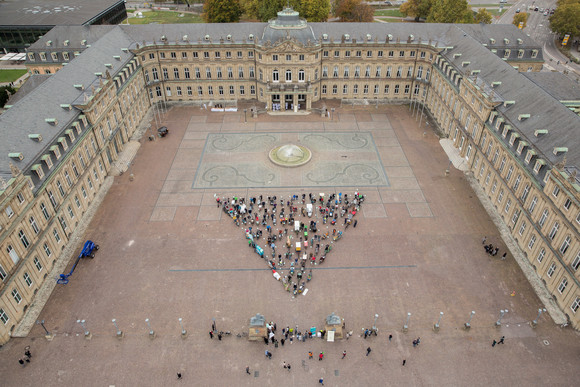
(483, 16)
(264, 10)
(5, 92)
(222, 11)
(354, 11)
(315, 10)
(450, 11)
(566, 18)
(417, 8)
(521, 17)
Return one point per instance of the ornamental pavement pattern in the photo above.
(348, 154)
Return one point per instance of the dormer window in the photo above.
(47, 160)
(38, 169)
(531, 153)
(534, 53)
(520, 54)
(70, 134)
(63, 143)
(513, 138)
(521, 146)
(506, 129)
(538, 166)
(54, 149)
(506, 53)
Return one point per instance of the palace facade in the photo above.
(60, 141)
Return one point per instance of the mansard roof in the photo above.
(545, 112)
(105, 42)
(28, 115)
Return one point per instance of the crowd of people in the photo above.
(293, 233)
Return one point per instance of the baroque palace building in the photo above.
(60, 141)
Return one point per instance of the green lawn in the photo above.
(495, 12)
(391, 19)
(389, 12)
(11, 75)
(165, 17)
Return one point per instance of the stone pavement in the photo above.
(167, 252)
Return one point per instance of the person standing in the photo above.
(501, 341)
(503, 256)
(343, 354)
(321, 381)
(368, 350)
(404, 362)
(248, 370)
(321, 356)
(179, 375)
(310, 355)
(494, 343)
(390, 337)
(210, 334)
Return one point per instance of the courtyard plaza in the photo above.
(168, 252)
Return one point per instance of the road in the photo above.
(538, 28)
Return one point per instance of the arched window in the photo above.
(301, 75)
(288, 75)
(275, 76)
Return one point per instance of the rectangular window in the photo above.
(576, 262)
(56, 235)
(556, 191)
(47, 250)
(565, 245)
(18, 298)
(3, 274)
(554, 231)
(4, 317)
(541, 255)
(522, 228)
(500, 196)
(551, 270)
(563, 285)
(543, 218)
(567, 204)
(507, 206)
(575, 305)
(23, 239)
(532, 242)
(37, 264)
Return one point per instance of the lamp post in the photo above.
(406, 326)
(468, 323)
(540, 311)
(49, 336)
(119, 332)
(375, 323)
(183, 331)
(332, 114)
(87, 333)
(213, 327)
(436, 326)
(151, 331)
(245, 116)
(501, 314)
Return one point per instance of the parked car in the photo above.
(518, 10)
